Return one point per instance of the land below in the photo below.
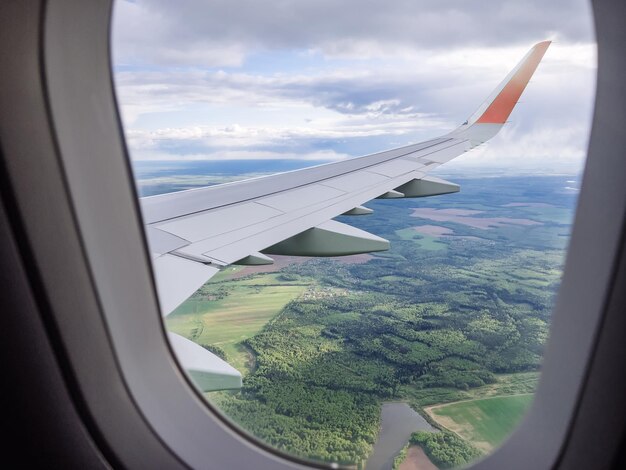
(452, 322)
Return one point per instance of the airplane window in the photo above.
(407, 332)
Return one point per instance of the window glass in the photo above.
(426, 355)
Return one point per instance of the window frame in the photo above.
(83, 228)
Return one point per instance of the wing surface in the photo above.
(193, 234)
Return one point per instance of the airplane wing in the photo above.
(193, 234)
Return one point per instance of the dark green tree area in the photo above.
(417, 324)
(445, 449)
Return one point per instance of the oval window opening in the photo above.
(363, 312)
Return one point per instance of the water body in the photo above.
(399, 421)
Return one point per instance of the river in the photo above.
(398, 422)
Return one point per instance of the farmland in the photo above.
(484, 422)
(225, 315)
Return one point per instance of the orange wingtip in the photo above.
(500, 108)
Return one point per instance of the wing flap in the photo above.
(178, 278)
(209, 372)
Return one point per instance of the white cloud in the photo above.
(232, 155)
(243, 142)
(188, 31)
(541, 150)
(232, 81)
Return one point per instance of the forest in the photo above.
(445, 449)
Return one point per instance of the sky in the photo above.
(328, 80)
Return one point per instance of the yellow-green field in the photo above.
(227, 321)
(484, 422)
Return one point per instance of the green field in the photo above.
(425, 242)
(227, 321)
(485, 422)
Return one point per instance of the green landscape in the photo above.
(452, 320)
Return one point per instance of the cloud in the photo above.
(326, 80)
(541, 151)
(346, 91)
(448, 81)
(221, 32)
(319, 140)
(232, 155)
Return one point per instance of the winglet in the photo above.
(497, 108)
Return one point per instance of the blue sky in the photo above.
(327, 80)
